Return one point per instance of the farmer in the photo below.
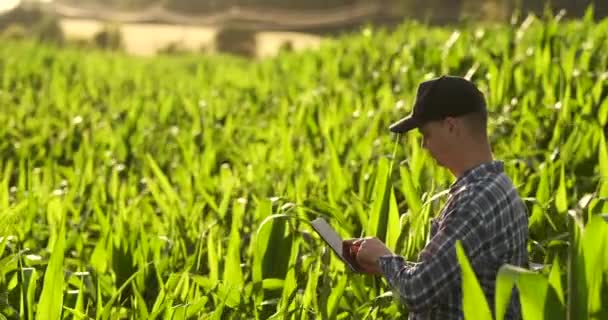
(483, 209)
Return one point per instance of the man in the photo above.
(483, 209)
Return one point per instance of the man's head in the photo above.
(451, 114)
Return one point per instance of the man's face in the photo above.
(439, 140)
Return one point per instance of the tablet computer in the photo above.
(335, 242)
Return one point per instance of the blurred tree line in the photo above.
(32, 22)
(433, 10)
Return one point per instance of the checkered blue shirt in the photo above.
(485, 212)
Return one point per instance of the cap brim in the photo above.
(404, 125)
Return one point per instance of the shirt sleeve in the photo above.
(421, 284)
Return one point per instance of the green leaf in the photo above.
(475, 305)
(213, 256)
(555, 280)
(412, 197)
(539, 212)
(140, 302)
(272, 233)
(233, 274)
(337, 182)
(51, 298)
(393, 223)
(593, 246)
(561, 197)
(379, 216)
(107, 309)
(291, 281)
(576, 303)
(272, 284)
(309, 300)
(603, 168)
(30, 277)
(538, 300)
(336, 295)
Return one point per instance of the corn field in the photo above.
(182, 187)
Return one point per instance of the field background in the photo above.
(254, 28)
(181, 186)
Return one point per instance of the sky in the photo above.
(6, 5)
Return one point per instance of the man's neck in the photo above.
(471, 159)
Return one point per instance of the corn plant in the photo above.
(182, 187)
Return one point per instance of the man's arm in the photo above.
(422, 284)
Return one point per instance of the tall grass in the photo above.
(181, 188)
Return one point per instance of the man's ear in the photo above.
(452, 125)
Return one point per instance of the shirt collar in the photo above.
(483, 169)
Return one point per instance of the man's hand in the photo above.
(369, 251)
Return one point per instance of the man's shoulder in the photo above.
(490, 186)
(486, 192)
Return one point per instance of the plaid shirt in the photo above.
(485, 212)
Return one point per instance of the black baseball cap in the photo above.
(438, 98)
